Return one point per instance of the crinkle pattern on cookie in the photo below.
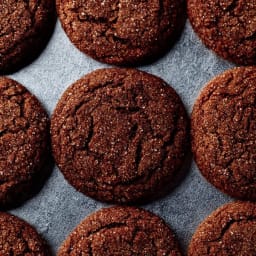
(224, 132)
(228, 27)
(122, 32)
(25, 27)
(121, 231)
(24, 142)
(17, 237)
(228, 231)
(120, 135)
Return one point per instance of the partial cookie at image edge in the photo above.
(123, 230)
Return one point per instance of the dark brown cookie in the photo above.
(228, 231)
(227, 27)
(122, 32)
(224, 132)
(121, 231)
(24, 134)
(17, 237)
(119, 135)
(25, 27)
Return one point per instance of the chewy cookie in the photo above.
(228, 231)
(121, 231)
(119, 135)
(25, 27)
(122, 32)
(227, 27)
(224, 132)
(24, 136)
(17, 237)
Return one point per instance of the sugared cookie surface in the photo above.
(120, 135)
(17, 237)
(228, 231)
(24, 142)
(228, 27)
(122, 32)
(25, 27)
(224, 132)
(121, 231)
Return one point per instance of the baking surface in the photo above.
(58, 207)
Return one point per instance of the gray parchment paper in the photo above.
(58, 207)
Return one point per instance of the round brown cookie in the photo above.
(122, 32)
(119, 135)
(17, 237)
(24, 136)
(224, 132)
(228, 27)
(228, 231)
(121, 231)
(25, 27)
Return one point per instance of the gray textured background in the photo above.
(58, 208)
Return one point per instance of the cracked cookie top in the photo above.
(17, 237)
(122, 32)
(121, 231)
(25, 26)
(230, 230)
(120, 135)
(24, 136)
(224, 132)
(228, 27)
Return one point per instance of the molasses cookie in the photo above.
(228, 231)
(227, 27)
(122, 32)
(120, 135)
(224, 132)
(121, 231)
(17, 237)
(24, 136)
(25, 27)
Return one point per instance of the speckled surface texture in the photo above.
(58, 208)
